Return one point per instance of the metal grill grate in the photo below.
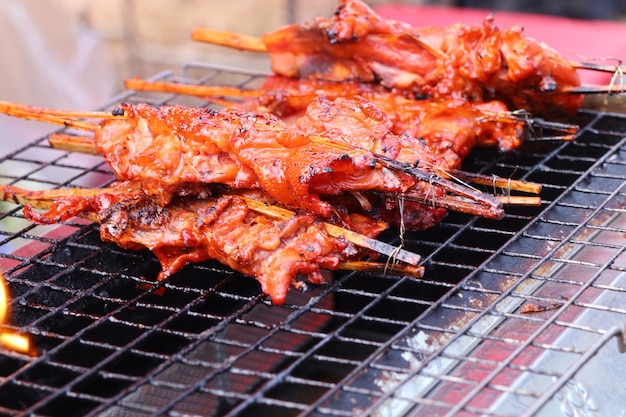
(113, 342)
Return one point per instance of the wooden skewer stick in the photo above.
(229, 39)
(597, 67)
(508, 200)
(10, 108)
(460, 203)
(42, 199)
(53, 116)
(367, 266)
(463, 205)
(498, 182)
(73, 143)
(516, 200)
(569, 130)
(563, 138)
(592, 89)
(55, 120)
(189, 89)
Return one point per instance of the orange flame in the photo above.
(8, 339)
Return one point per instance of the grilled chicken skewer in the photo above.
(362, 232)
(85, 144)
(450, 127)
(240, 231)
(171, 150)
(478, 62)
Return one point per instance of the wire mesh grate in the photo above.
(509, 317)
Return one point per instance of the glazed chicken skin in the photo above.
(478, 63)
(171, 150)
(484, 62)
(450, 128)
(275, 252)
(168, 148)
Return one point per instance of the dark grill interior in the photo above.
(113, 342)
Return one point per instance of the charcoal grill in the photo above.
(112, 341)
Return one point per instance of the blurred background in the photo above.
(75, 53)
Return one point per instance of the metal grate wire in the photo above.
(113, 342)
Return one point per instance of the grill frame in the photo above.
(215, 344)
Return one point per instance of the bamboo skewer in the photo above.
(73, 143)
(569, 130)
(53, 116)
(229, 39)
(21, 110)
(56, 120)
(597, 67)
(591, 89)
(367, 266)
(497, 182)
(43, 199)
(190, 89)
(515, 200)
